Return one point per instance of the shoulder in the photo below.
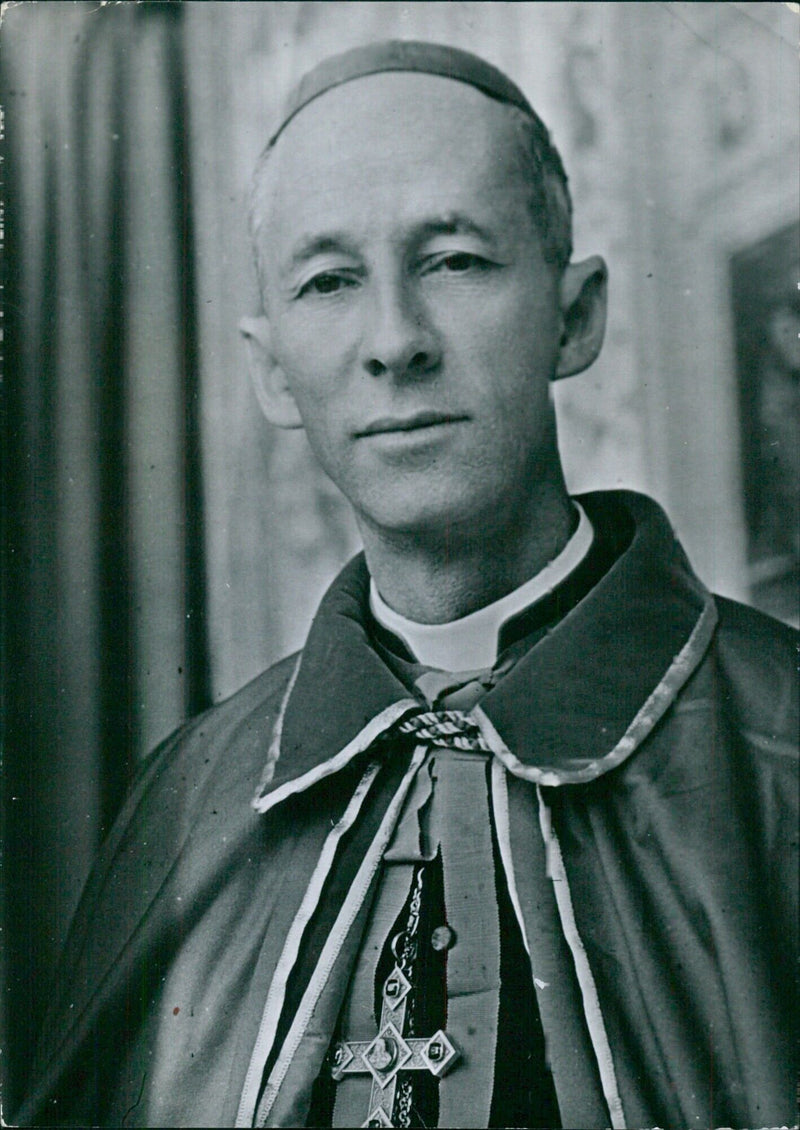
(226, 746)
(201, 778)
(741, 624)
(755, 646)
(247, 711)
(757, 657)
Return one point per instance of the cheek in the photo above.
(514, 367)
(315, 351)
(512, 324)
(319, 392)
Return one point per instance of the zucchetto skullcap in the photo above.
(403, 55)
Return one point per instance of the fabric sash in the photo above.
(473, 965)
(460, 824)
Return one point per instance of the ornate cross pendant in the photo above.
(391, 1052)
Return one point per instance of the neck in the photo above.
(433, 577)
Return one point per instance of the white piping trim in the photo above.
(591, 1001)
(373, 729)
(280, 978)
(335, 940)
(274, 751)
(503, 754)
(654, 707)
(502, 827)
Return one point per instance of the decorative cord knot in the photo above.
(450, 729)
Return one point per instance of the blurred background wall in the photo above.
(161, 544)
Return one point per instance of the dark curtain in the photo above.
(104, 648)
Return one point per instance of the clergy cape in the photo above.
(645, 796)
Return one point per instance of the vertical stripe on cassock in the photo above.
(299, 1060)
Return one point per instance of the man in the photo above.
(520, 852)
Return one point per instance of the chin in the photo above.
(424, 515)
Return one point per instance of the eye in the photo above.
(325, 283)
(459, 263)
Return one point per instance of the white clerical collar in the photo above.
(472, 641)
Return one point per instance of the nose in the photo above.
(399, 340)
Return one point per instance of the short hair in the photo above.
(549, 200)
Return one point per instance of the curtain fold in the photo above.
(103, 571)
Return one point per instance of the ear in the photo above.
(584, 296)
(269, 381)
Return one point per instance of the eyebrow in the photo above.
(310, 246)
(453, 223)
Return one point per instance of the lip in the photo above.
(388, 425)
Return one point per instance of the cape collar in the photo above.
(572, 708)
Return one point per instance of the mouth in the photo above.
(388, 425)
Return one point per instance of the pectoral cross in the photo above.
(391, 1052)
(394, 1050)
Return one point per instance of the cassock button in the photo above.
(443, 938)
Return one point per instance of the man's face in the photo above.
(411, 313)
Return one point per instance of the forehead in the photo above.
(386, 148)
